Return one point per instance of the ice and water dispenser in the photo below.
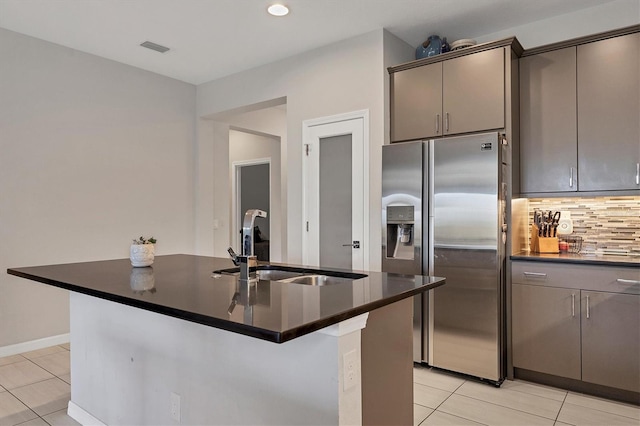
(400, 232)
(402, 240)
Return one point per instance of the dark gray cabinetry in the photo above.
(546, 330)
(611, 339)
(473, 92)
(609, 114)
(460, 95)
(577, 321)
(548, 128)
(579, 115)
(416, 103)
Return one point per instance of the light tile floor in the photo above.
(441, 398)
(35, 389)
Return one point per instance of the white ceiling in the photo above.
(213, 38)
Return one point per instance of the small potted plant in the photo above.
(142, 251)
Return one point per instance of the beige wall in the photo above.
(93, 153)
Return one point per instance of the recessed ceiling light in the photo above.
(278, 10)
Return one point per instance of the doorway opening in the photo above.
(252, 188)
(248, 135)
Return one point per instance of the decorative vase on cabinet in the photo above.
(431, 47)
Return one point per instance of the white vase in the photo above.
(142, 254)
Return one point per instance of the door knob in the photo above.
(355, 244)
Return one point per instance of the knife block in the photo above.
(543, 244)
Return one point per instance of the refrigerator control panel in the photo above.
(399, 214)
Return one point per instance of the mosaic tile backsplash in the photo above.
(602, 222)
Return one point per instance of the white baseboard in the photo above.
(33, 345)
(79, 415)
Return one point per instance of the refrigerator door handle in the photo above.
(430, 212)
(430, 245)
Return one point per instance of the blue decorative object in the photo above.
(431, 47)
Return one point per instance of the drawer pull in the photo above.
(573, 304)
(588, 310)
(437, 123)
(535, 275)
(623, 281)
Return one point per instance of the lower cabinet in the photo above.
(546, 330)
(563, 326)
(611, 339)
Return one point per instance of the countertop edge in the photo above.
(251, 331)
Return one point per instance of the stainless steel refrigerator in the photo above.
(444, 214)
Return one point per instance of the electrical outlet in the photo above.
(175, 407)
(350, 365)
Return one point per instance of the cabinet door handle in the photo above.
(573, 304)
(535, 275)
(623, 281)
(446, 121)
(588, 309)
(437, 123)
(570, 177)
(637, 173)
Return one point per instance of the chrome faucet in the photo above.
(247, 259)
(247, 230)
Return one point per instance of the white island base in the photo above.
(130, 366)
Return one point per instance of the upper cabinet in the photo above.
(416, 103)
(609, 114)
(473, 92)
(548, 128)
(579, 116)
(450, 94)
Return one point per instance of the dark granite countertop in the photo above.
(580, 258)
(184, 287)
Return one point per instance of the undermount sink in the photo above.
(276, 275)
(293, 275)
(316, 280)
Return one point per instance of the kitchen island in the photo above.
(176, 343)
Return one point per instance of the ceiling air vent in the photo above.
(153, 46)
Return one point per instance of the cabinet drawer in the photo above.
(612, 279)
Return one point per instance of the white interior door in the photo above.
(335, 194)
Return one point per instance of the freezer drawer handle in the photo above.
(573, 304)
(535, 275)
(588, 310)
(623, 281)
